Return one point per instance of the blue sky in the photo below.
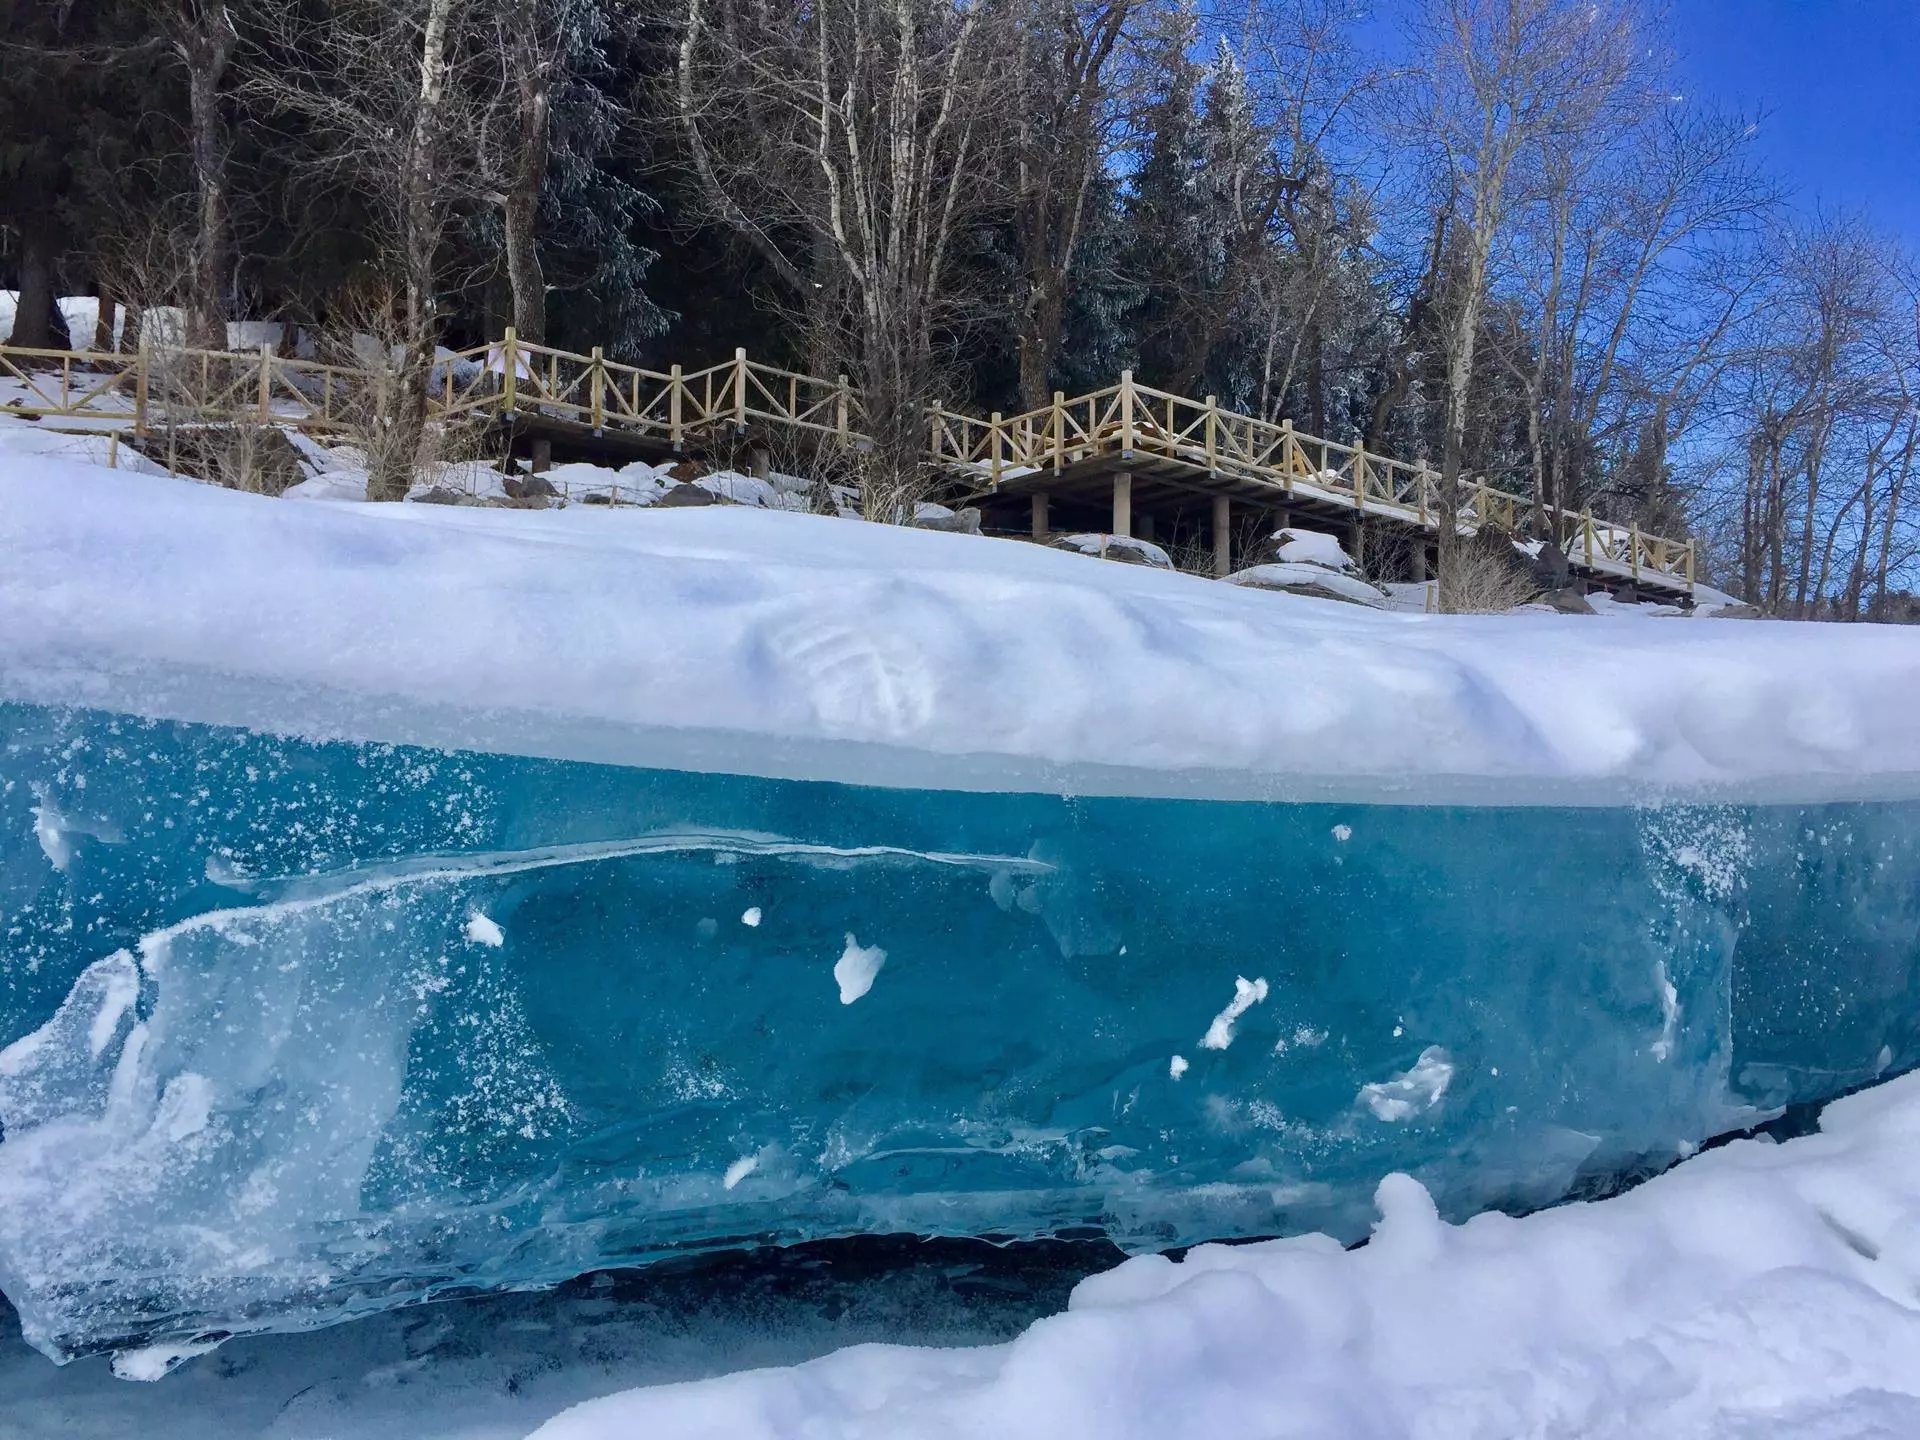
(1837, 84)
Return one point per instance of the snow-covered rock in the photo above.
(1292, 545)
(1123, 548)
(1318, 581)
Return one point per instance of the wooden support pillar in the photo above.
(1357, 541)
(1418, 560)
(760, 461)
(1122, 503)
(542, 454)
(1222, 536)
(1143, 529)
(1040, 515)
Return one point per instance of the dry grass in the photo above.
(1478, 580)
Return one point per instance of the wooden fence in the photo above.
(509, 380)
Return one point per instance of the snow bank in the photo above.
(1759, 1290)
(729, 638)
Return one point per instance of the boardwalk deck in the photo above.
(1143, 448)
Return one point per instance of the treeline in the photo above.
(1519, 254)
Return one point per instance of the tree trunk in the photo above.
(404, 402)
(522, 202)
(205, 42)
(103, 337)
(37, 322)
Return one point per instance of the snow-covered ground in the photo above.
(736, 637)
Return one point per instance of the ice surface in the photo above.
(267, 1068)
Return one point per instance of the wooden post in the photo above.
(997, 441)
(1213, 439)
(676, 391)
(542, 454)
(140, 385)
(266, 381)
(1286, 454)
(840, 407)
(740, 388)
(1586, 532)
(599, 391)
(510, 382)
(113, 450)
(1059, 419)
(1122, 502)
(1690, 544)
(1633, 549)
(1039, 514)
(936, 430)
(1126, 417)
(1222, 530)
(1418, 560)
(760, 461)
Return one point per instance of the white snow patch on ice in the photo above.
(739, 1170)
(483, 930)
(1421, 1088)
(1177, 1066)
(1669, 1011)
(1246, 994)
(856, 968)
(751, 917)
(1343, 833)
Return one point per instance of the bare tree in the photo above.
(851, 143)
(514, 146)
(1066, 117)
(1506, 78)
(387, 86)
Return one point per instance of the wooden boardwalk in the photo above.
(1125, 449)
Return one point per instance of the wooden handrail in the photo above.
(1128, 420)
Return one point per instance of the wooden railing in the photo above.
(510, 378)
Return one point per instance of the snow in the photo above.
(482, 930)
(1312, 547)
(1421, 1088)
(1246, 995)
(856, 969)
(753, 641)
(1761, 1291)
(1278, 576)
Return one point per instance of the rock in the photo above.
(528, 487)
(442, 495)
(1497, 546)
(522, 502)
(1316, 581)
(682, 470)
(1567, 599)
(684, 494)
(1295, 546)
(965, 521)
(1734, 612)
(1124, 548)
(1552, 571)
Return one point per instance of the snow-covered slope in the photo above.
(733, 639)
(1757, 1290)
